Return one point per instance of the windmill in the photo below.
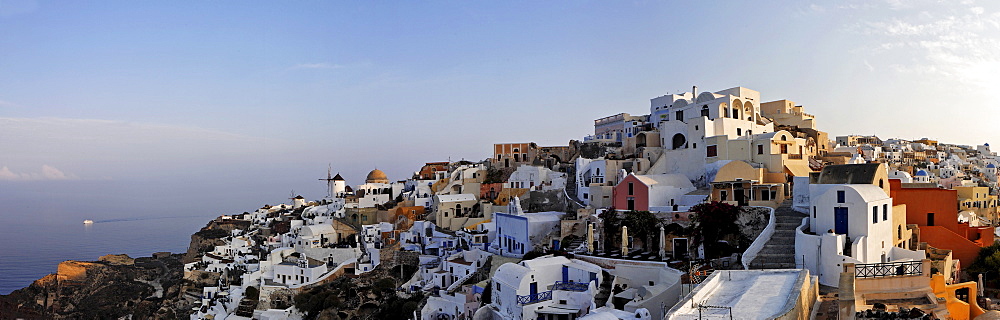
(329, 181)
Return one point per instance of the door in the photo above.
(631, 203)
(533, 290)
(565, 272)
(930, 218)
(680, 247)
(739, 195)
(840, 220)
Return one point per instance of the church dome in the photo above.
(991, 166)
(377, 176)
(921, 173)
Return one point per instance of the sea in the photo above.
(41, 222)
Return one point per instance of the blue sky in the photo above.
(182, 92)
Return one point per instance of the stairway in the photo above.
(779, 252)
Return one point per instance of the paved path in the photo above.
(779, 252)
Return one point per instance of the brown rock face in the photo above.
(113, 287)
(119, 259)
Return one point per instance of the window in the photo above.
(760, 149)
(712, 151)
(723, 195)
(814, 212)
(631, 189)
(841, 196)
(875, 214)
(704, 111)
(885, 212)
(739, 131)
(765, 195)
(680, 114)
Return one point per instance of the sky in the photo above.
(229, 104)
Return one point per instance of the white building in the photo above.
(686, 120)
(750, 294)
(544, 288)
(536, 178)
(848, 223)
(297, 269)
(519, 232)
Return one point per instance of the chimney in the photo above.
(694, 92)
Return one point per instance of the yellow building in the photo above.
(979, 201)
(739, 183)
(778, 152)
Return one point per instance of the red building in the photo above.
(631, 194)
(935, 211)
(650, 192)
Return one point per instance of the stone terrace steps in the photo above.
(779, 252)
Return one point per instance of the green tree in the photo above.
(711, 222)
(987, 263)
(642, 225)
(611, 223)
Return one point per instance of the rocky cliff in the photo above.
(112, 287)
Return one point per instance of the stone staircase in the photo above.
(779, 252)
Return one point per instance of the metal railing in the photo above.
(533, 298)
(888, 269)
(571, 286)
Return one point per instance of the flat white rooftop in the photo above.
(749, 294)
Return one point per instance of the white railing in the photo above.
(458, 283)
(758, 244)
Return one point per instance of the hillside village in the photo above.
(714, 205)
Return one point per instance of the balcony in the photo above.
(888, 269)
(534, 298)
(795, 156)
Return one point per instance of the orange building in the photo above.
(403, 217)
(429, 170)
(490, 191)
(935, 211)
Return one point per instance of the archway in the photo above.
(679, 141)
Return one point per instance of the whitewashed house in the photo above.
(544, 288)
(850, 221)
(519, 232)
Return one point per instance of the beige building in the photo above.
(739, 183)
(979, 201)
(778, 152)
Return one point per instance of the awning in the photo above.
(798, 170)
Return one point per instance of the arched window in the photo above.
(679, 141)
(784, 138)
(704, 111)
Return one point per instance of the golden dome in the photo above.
(377, 176)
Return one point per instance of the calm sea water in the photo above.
(41, 223)
(33, 248)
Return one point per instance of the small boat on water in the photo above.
(88, 221)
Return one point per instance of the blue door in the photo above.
(533, 289)
(840, 220)
(565, 274)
